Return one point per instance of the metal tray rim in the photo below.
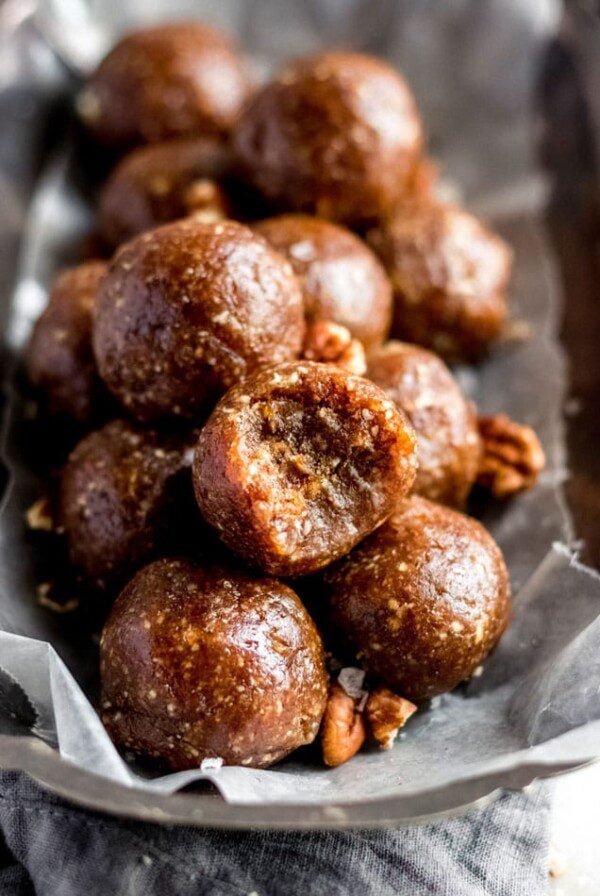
(89, 791)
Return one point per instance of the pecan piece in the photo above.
(333, 344)
(39, 516)
(386, 713)
(511, 458)
(205, 200)
(342, 730)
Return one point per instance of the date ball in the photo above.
(341, 279)
(181, 80)
(155, 184)
(210, 664)
(423, 600)
(120, 492)
(298, 463)
(449, 275)
(337, 135)
(60, 361)
(444, 420)
(188, 309)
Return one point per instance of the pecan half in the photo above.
(511, 458)
(342, 730)
(386, 713)
(333, 344)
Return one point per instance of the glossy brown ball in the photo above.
(341, 279)
(180, 80)
(444, 420)
(449, 275)
(60, 361)
(423, 600)
(297, 463)
(188, 309)
(120, 491)
(210, 663)
(337, 135)
(153, 185)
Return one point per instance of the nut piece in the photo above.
(333, 344)
(512, 457)
(386, 713)
(342, 730)
(39, 516)
(205, 200)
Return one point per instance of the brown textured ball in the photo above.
(60, 361)
(423, 600)
(449, 275)
(180, 80)
(297, 463)
(444, 420)
(120, 491)
(155, 184)
(200, 664)
(341, 279)
(337, 135)
(188, 309)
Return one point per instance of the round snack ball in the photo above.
(180, 80)
(187, 310)
(423, 600)
(449, 275)
(155, 184)
(60, 361)
(337, 135)
(210, 664)
(298, 463)
(341, 279)
(119, 493)
(444, 420)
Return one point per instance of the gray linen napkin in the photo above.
(53, 849)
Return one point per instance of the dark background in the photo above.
(568, 147)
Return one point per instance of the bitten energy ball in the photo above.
(337, 135)
(187, 310)
(60, 361)
(120, 491)
(183, 80)
(423, 600)
(341, 279)
(298, 463)
(449, 275)
(153, 185)
(210, 664)
(444, 420)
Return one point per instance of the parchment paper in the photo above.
(537, 700)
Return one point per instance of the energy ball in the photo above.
(210, 664)
(187, 310)
(337, 135)
(444, 420)
(155, 184)
(180, 80)
(423, 600)
(449, 275)
(120, 491)
(298, 463)
(60, 362)
(342, 281)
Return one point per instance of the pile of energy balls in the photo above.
(253, 445)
